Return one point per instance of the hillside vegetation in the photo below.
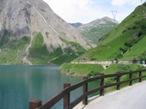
(40, 55)
(12, 52)
(117, 68)
(81, 69)
(125, 42)
(96, 29)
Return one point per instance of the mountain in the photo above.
(31, 33)
(76, 25)
(96, 29)
(125, 42)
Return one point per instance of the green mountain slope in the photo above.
(40, 55)
(96, 29)
(125, 42)
(13, 52)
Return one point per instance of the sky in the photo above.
(85, 11)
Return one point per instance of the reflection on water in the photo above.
(20, 84)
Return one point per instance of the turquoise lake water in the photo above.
(20, 84)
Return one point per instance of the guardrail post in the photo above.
(118, 82)
(140, 76)
(67, 97)
(102, 85)
(35, 104)
(130, 78)
(85, 90)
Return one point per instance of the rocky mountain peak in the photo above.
(27, 17)
(47, 32)
(96, 22)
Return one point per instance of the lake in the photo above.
(20, 84)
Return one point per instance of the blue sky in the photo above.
(85, 11)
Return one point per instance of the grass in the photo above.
(69, 54)
(95, 70)
(78, 47)
(136, 51)
(120, 68)
(14, 52)
(115, 68)
(38, 53)
(81, 69)
(91, 69)
(125, 42)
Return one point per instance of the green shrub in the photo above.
(119, 56)
(123, 50)
(128, 44)
(142, 56)
(93, 73)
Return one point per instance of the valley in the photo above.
(39, 51)
(124, 43)
(41, 37)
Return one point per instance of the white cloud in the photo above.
(78, 10)
(125, 2)
(125, 7)
(69, 9)
(88, 10)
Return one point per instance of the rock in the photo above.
(26, 17)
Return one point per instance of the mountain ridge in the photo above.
(94, 30)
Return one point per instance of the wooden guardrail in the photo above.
(65, 94)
